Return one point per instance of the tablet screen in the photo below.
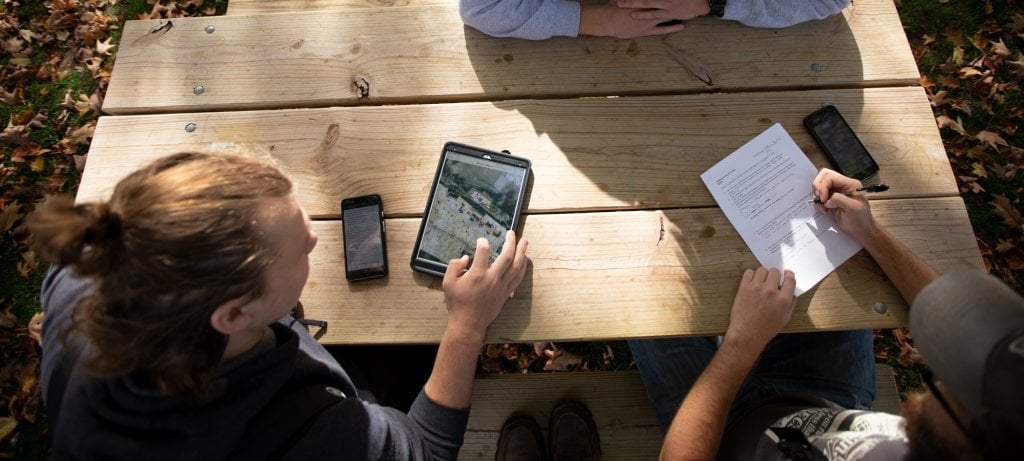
(474, 196)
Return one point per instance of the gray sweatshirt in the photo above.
(541, 19)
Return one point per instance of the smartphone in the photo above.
(362, 220)
(840, 143)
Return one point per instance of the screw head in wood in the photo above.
(210, 29)
(190, 127)
(880, 307)
(198, 89)
(816, 67)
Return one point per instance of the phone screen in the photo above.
(362, 220)
(840, 143)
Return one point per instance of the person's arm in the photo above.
(908, 272)
(474, 299)
(526, 19)
(761, 309)
(754, 13)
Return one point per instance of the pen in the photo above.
(865, 189)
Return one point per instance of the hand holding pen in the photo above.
(851, 215)
(854, 193)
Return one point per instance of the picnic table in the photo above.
(352, 97)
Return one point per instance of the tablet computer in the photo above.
(476, 193)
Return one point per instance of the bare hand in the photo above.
(852, 214)
(761, 309)
(475, 298)
(665, 10)
(611, 21)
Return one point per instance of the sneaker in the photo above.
(520, 440)
(573, 434)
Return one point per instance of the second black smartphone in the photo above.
(362, 219)
(840, 143)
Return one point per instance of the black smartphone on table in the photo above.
(364, 233)
(840, 143)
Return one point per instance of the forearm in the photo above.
(697, 429)
(528, 19)
(781, 13)
(451, 382)
(907, 271)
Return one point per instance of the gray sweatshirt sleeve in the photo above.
(529, 19)
(780, 13)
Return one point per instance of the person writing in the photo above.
(762, 395)
(542, 19)
(168, 333)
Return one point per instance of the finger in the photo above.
(663, 30)
(645, 15)
(774, 276)
(761, 274)
(482, 257)
(641, 3)
(788, 282)
(748, 275)
(507, 252)
(455, 269)
(519, 265)
(843, 202)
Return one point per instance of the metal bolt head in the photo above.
(210, 29)
(816, 67)
(880, 307)
(190, 127)
(198, 89)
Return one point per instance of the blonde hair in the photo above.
(177, 239)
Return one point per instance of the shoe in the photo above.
(520, 440)
(573, 434)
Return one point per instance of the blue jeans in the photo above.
(838, 366)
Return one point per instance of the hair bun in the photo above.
(105, 228)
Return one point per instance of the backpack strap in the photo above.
(285, 419)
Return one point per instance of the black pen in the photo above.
(865, 189)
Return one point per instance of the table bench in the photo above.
(351, 97)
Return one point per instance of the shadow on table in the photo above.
(639, 150)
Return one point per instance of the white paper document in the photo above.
(763, 188)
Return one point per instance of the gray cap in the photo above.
(970, 328)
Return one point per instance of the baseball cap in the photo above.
(970, 328)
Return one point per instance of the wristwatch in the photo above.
(717, 7)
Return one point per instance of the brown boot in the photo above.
(520, 440)
(573, 434)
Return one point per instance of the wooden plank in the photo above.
(588, 154)
(888, 397)
(417, 55)
(625, 421)
(244, 7)
(626, 274)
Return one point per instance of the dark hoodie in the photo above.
(125, 419)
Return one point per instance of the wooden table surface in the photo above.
(625, 239)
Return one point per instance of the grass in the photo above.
(939, 32)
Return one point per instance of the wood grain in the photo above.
(626, 274)
(588, 154)
(358, 56)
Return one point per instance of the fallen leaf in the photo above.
(991, 138)
(9, 215)
(35, 328)
(559, 360)
(7, 426)
(103, 47)
(82, 134)
(1011, 216)
(946, 122)
(1000, 48)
